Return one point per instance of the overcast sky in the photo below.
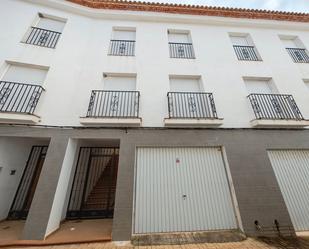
(286, 5)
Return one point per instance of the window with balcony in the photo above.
(188, 101)
(180, 44)
(21, 89)
(122, 42)
(45, 32)
(295, 49)
(244, 47)
(118, 100)
(268, 104)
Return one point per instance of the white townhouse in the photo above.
(161, 117)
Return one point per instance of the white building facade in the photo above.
(166, 119)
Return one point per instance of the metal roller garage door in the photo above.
(182, 189)
(292, 171)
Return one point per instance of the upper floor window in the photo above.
(180, 44)
(21, 88)
(45, 32)
(187, 99)
(295, 48)
(118, 98)
(244, 47)
(185, 84)
(122, 42)
(260, 86)
(119, 82)
(267, 103)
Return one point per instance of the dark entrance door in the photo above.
(94, 185)
(35, 180)
(28, 183)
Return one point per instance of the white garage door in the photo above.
(182, 189)
(292, 171)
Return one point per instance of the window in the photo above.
(115, 82)
(267, 103)
(46, 31)
(295, 48)
(20, 88)
(118, 99)
(50, 23)
(122, 42)
(187, 98)
(259, 86)
(25, 74)
(244, 47)
(180, 44)
(184, 84)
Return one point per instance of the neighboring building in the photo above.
(166, 118)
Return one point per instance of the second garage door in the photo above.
(292, 171)
(182, 189)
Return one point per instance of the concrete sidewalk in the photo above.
(250, 243)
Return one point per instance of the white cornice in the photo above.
(167, 17)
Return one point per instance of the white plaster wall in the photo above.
(76, 66)
(14, 153)
(59, 202)
(71, 178)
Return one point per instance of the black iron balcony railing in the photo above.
(274, 106)
(191, 105)
(298, 55)
(246, 53)
(18, 97)
(114, 104)
(181, 50)
(122, 47)
(43, 37)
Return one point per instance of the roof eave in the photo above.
(194, 10)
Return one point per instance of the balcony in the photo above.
(276, 110)
(43, 37)
(246, 53)
(18, 102)
(299, 55)
(122, 47)
(196, 109)
(181, 50)
(117, 108)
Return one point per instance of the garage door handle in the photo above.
(184, 197)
